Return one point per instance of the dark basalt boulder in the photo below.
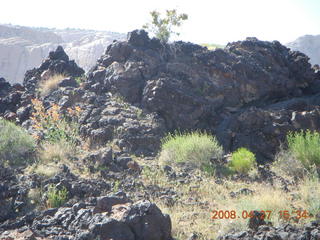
(10, 97)
(264, 130)
(4, 87)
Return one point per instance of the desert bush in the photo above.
(286, 164)
(55, 197)
(242, 161)
(49, 85)
(193, 148)
(305, 147)
(53, 125)
(16, 145)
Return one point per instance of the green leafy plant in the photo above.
(209, 169)
(16, 145)
(162, 27)
(305, 146)
(55, 197)
(80, 79)
(242, 161)
(193, 148)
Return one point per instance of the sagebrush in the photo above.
(305, 146)
(195, 148)
(16, 145)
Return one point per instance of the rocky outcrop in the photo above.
(230, 91)
(159, 77)
(249, 94)
(23, 48)
(309, 45)
(57, 63)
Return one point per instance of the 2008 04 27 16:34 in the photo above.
(284, 214)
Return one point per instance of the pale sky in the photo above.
(210, 21)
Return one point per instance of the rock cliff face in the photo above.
(309, 45)
(23, 48)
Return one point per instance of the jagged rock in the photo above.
(147, 221)
(105, 204)
(68, 82)
(263, 130)
(108, 118)
(57, 63)
(256, 221)
(4, 87)
(10, 97)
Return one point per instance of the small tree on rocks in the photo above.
(162, 27)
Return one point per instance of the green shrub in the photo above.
(305, 146)
(16, 145)
(55, 197)
(193, 148)
(242, 160)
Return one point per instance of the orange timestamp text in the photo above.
(261, 214)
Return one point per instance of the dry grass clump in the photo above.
(192, 210)
(47, 86)
(309, 194)
(286, 164)
(51, 156)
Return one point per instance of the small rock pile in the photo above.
(88, 214)
(310, 231)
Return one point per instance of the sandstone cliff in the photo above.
(309, 45)
(23, 48)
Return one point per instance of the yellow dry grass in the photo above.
(49, 85)
(192, 211)
(51, 156)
